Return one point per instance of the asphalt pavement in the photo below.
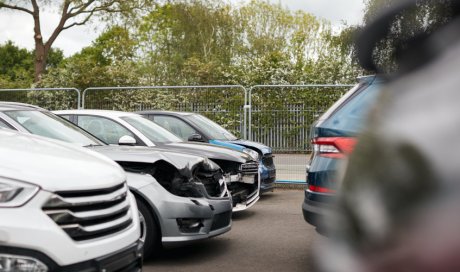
(291, 167)
(270, 236)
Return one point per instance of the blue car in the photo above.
(333, 139)
(196, 127)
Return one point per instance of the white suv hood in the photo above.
(54, 165)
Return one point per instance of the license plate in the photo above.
(248, 179)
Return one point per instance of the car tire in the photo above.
(149, 230)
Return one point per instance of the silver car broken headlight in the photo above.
(212, 166)
(252, 153)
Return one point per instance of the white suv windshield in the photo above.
(152, 131)
(48, 125)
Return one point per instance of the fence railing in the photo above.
(48, 98)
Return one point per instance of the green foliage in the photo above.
(16, 66)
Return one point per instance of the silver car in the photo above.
(241, 175)
(181, 197)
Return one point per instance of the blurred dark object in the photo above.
(395, 39)
(400, 198)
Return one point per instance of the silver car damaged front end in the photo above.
(243, 181)
(245, 186)
(187, 194)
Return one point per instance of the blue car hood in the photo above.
(241, 144)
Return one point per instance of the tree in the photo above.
(73, 13)
(16, 65)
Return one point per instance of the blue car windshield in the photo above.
(151, 130)
(351, 117)
(212, 130)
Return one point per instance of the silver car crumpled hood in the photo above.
(180, 174)
(147, 155)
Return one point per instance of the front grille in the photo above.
(90, 214)
(250, 168)
(221, 220)
(267, 160)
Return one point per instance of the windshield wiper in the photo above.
(92, 145)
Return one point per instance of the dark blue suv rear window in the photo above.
(349, 118)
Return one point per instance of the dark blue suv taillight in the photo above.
(333, 147)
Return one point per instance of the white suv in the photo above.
(64, 208)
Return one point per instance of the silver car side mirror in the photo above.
(127, 140)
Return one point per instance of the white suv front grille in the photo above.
(91, 214)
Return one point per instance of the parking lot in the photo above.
(271, 236)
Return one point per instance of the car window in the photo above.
(151, 130)
(65, 117)
(351, 116)
(151, 117)
(213, 130)
(176, 126)
(107, 130)
(3, 124)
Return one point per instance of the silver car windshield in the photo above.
(49, 125)
(152, 131)
(213, 130)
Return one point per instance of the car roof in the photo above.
(104, 113)
(4, 105)
(177, 113)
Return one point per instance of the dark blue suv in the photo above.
(333, 138)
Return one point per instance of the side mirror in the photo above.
(195, 138)
(127, 140)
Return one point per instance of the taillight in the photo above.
(319, 189)
(333, 147)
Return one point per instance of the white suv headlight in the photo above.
(252, 153)
(15, 263)
(15, 193)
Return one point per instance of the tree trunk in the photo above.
(41, 50)
(40, 58)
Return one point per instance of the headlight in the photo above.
(252, 153)
(210, 165)
(16, 263)
(15, 193)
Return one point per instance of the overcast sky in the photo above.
(18, 27)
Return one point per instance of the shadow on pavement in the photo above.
(191, 254)
(267, 196)
(243, 215)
